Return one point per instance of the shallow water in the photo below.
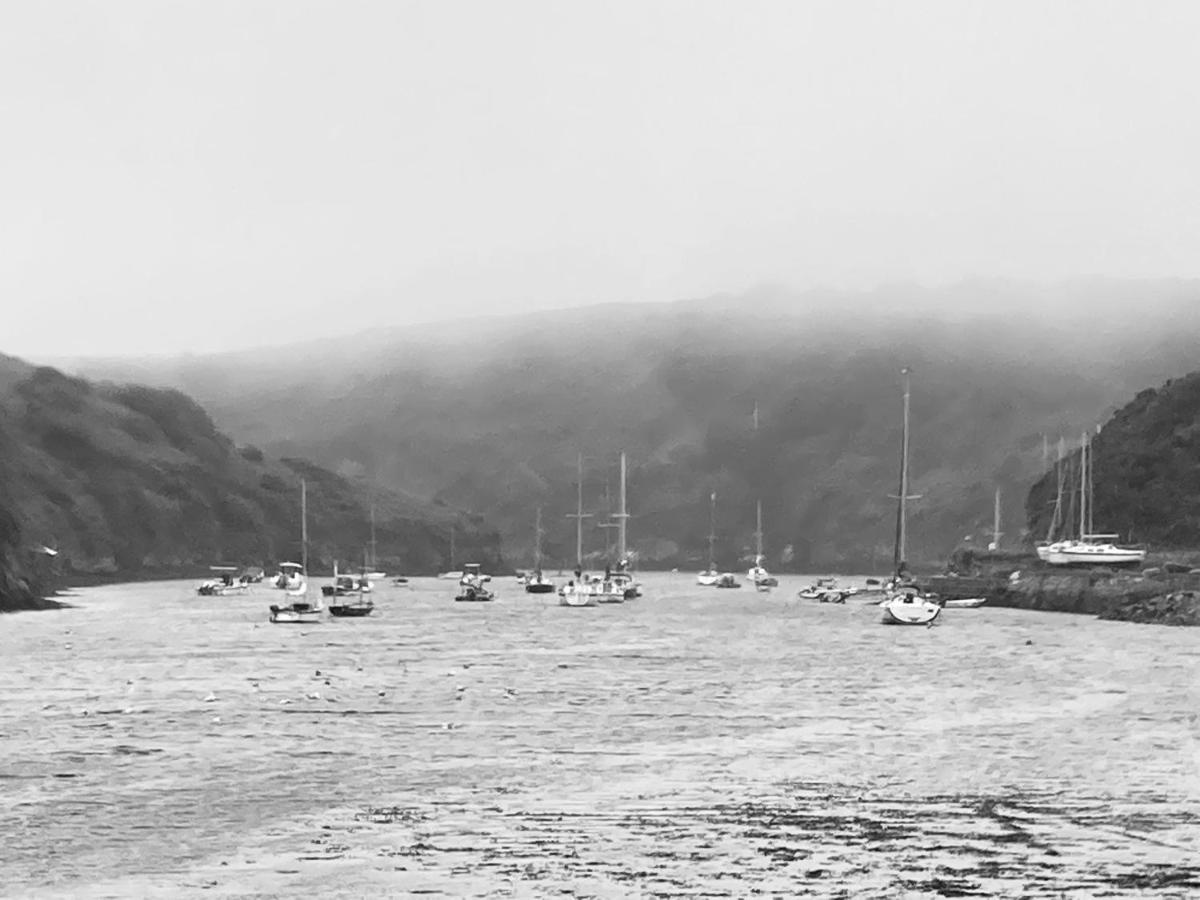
(695, 742)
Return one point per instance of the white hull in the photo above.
(909, 611)
(1081, 553)
(707, 579)
(450, 576)
(965, 603)
(573, 596)
(220, 589)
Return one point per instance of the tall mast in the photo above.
(537, 541)
(996, 522)
(451, 547)
(1091, 489)
(1056, 520)
(758, 536)
(374, 560)
(304, 527)
(622, 518)
(903, 497)
(712, 529)
(1083, 498)
(579, 516)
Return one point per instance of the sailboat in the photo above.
(905, 605)
(300, 609)
(453, 574)
(763, 580)
(1090, 549)
(536, 582)
(371, 570)
(361, 606)
(623, 578)
(577, 592)
(710, 576)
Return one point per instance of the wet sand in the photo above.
(692, 743)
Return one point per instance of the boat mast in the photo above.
(712, 530)
(622, 518)
(903, 497)
(1083, 498)
(537, 541)
(304, 528)
(579, 516)
(996, 523)
(758, 535)
(451, 569)
(1056, 519)
(374, 560)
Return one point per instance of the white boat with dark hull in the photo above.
(905, 604)
(301, 609)
(535, 582)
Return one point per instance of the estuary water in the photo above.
(693, 743)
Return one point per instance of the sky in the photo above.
(205, 176)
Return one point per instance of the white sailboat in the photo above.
(762, 579)
(453, 574)
(623, 578)
(371, 572)
(578, 591)
(905, 604)
(300, 609)
(536, 582)
(710, 576)
(1090, 549)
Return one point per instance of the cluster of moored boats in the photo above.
(901, 601)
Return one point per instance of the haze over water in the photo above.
(691, 743)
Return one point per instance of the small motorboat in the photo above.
(819, 588)
(910, 607)
(576, 593)
(400, 579)
(727, 580)
(762, 579)
(607, 590)
(624, 581)
(290, 576)
(222, 584)
(251, 575)
(965, 603)
(299, 611)
(708, 578)
(472, 585)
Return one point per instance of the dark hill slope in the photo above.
(133, 481)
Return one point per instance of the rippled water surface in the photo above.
(695, 743)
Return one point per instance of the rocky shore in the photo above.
(1167, 594)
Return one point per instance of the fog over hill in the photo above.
(488, 414)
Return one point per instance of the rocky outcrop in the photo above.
(1178, 608)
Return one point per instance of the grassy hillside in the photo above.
(133, 481)
(1146, 471)
(489, 415)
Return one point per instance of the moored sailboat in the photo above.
(300, 609)
(536, 582)
(905, 605)
(578, 591)
(709, 577)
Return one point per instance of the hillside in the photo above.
(490, 414)
(1146, 471)
(129, 481)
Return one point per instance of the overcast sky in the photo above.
(208, 175)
